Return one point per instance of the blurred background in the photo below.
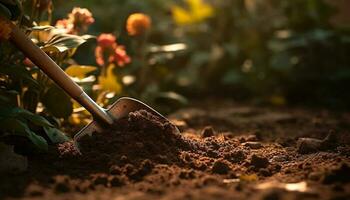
(265, 51)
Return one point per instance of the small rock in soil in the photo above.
(279, 158)
(251, 138)
(308, 145)
(312, 145)
(259, 161)
(208, 132)
(221, 166)
(253, 145)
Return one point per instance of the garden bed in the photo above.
(223, 152)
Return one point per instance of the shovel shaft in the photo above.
(52, 70)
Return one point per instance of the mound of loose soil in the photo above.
(137, 143)
(136, 138)
(144, 157)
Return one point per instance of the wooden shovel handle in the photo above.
(52, 70)
(45, 63)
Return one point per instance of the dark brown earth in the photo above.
(224, 152)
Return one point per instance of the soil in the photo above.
(223, 152)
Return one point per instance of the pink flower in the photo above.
(78, 21)
(120, 56)
(81, 19)
(106, 40)
(108, 51)
(65, 24)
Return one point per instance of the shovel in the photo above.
(102, 117)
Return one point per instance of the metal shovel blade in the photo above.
(119, 109)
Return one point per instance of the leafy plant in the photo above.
(26, 94)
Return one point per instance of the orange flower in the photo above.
(108, 51)
(138, 24)
(5, 29)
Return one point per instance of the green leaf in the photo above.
(5, 12)
(30, 99)
(16, 112)
(56, 136)
(63, 42)
(18, 72)
(17, 127)
(10, 112)
(42, 28)
(12, 125)
(57, 102)
(36, 119)
(38, 141)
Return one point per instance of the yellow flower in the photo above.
(197, 12)
(109, 81)
(5, 29)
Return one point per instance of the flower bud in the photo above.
(138, 24)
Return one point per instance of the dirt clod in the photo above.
(259, 161)
(208, 131)
(253, 145)
(221, 167)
